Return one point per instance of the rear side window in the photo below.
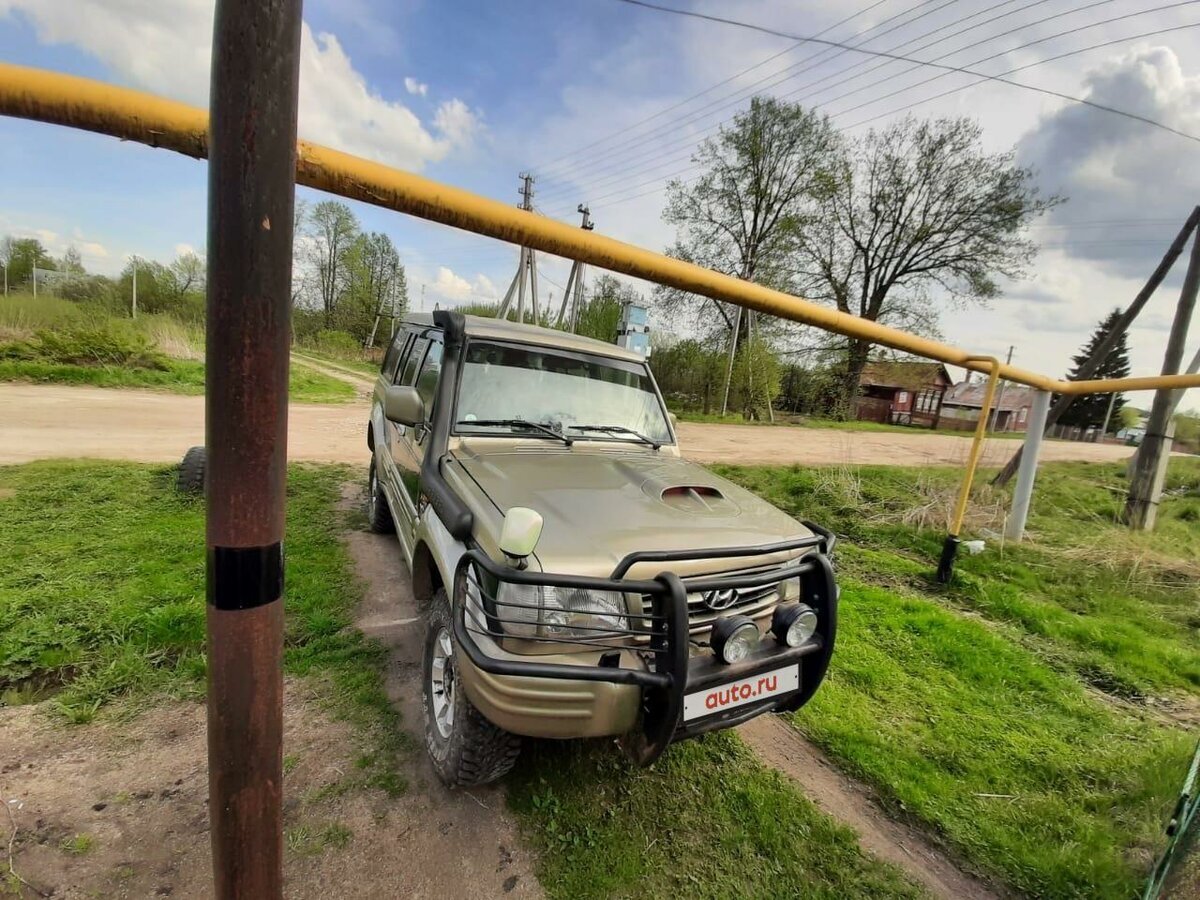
(415, 353)
(395, 354)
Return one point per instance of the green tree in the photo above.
(690, 373)
(1127, 417)
(375, 285)
(21, 255)
(600, 316)
(1088, 410)
(912, 214)
(743, 215)
(155, 286)
(756, 378)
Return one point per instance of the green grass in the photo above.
(358, 364)
(49, 340)
(1024, 678)
(179, 377)
(707, 820)
(78, 844)
(311, 840)
(102, 598)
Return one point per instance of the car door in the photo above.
(414, 440)
(386, 443)
(399, 472)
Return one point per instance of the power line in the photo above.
(573, 154)
(1053, 93)
(765, 83)
(1073, 11)
(948, 68)
(981, 80)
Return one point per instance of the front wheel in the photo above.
(465, 748)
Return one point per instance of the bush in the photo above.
(88, 344)
(335, 343)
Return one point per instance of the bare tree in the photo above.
(744, 214)
(187, 274)
(915, 214)
(331, 233)
(72, 261)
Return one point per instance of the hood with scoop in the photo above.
(599, 506)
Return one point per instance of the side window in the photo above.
(415, 353)
(392, 357)
(427, 378)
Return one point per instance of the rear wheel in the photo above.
(465, 748)
(379, 517)
(191, 471)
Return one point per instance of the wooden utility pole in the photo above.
(251, 196)
(1146, 480)
(1088, 369)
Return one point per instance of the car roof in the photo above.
(503, 329)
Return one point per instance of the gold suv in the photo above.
(581, 578)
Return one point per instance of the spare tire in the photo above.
(191, 472)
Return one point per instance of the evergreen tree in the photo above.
(1090, 409)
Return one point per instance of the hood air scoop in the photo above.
(697, 498)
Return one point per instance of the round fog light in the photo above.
(794, 623)
(733, 637)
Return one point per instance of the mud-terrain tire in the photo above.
(379, 517)
(464, 747)
(190, 479)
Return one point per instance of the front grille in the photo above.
(750, 601)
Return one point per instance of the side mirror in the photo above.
(674, 419)
(520, 533)
(403, 405)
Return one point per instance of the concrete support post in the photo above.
(1014, 528)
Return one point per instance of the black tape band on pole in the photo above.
(244, 577)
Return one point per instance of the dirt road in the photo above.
(47, 421)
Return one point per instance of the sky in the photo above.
(604, 101)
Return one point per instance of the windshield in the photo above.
(559, 388)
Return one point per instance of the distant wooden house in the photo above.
(961, 405)
(902, 392)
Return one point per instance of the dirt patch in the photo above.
(53, 421)
(119, 809)
(850, 803)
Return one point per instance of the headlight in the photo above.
(794, 623)
(734, 637)
(541, 611)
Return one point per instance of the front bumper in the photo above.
(633, 680)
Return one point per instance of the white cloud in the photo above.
(185, 249)
(451, 286)
(484, 287)
(165, 47)
(415, 87)
(1117, 173)
(92, 250)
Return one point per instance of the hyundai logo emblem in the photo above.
(719, 600)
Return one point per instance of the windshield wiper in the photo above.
(521, 423)
(619, 429)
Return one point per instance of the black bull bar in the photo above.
(659, 636)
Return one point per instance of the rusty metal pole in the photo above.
(251, 194)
